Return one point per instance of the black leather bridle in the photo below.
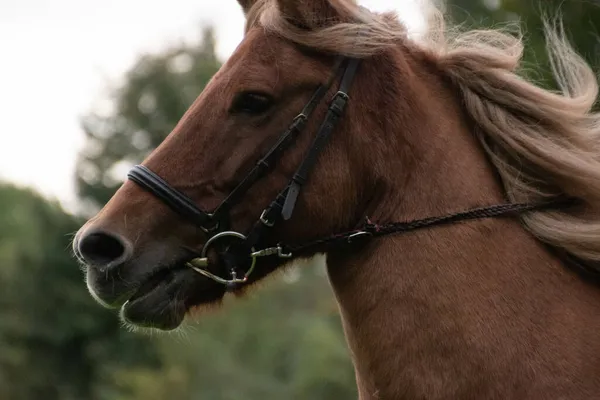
(216, 224)
(236, 249)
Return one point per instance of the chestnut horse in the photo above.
(358, 127)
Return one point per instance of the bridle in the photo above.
(216, 224)
(235, 248)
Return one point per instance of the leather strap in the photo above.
(284, 141)
(336, 109)
(173, 198)
(284, 203)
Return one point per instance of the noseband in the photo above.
(236, 249)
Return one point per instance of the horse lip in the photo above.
(164, 301)
(108, 298)
(112, 292)
(156, 306)
(173, 288)
(153, 280)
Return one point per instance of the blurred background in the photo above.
(86, 90)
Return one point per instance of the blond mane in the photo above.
(542, 143)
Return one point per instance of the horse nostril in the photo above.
(102, 249)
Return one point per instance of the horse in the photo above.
(456, 202)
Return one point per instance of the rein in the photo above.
(235, 249)
(371, 230)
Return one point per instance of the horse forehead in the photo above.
(263, 48)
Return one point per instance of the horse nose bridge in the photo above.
(129, 208)
(109, 229)
(132, 215)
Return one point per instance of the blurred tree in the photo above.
(581, 19)
(156, 92)
(286, 340)
(57, 344)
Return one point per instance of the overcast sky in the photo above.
(58, 56)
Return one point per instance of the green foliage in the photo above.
(56, 342)
(581, 19)
(155, 94)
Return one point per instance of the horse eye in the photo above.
(251, 103)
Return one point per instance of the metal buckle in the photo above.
(266, 221)
(212, 228)
(341, 94)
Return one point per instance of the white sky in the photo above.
(58, 56)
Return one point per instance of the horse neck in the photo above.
(428, 311)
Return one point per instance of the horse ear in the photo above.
(246, 4)
(310, 14)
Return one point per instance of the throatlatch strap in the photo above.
(283, 205)
(335, 111)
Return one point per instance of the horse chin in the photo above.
(172, 294)
(163, 301)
